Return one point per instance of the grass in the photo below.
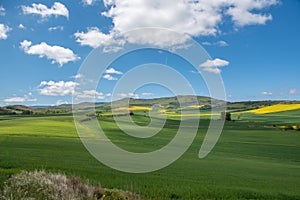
(252, 159)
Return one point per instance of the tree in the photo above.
(27, 112)
(226, 116)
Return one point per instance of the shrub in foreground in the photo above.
(48, 186)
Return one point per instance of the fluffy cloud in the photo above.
(267, 93)
(19, 99)
(55, 53)
(241, 12)
(3, 31)
(2, 11)
(113, 71)
(194, 18)
(213, 65)
(21, 26)
(95, 38)
(57, 9)
(60, 88)
(109, 77)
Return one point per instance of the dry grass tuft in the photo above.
(49, 186)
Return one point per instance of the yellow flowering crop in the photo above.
(275, 108)
(133, 108)
(195, 106)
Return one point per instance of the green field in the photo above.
(252, 160)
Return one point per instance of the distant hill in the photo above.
(164, 101)
(16, 109)
(25, 110)
(167, 102)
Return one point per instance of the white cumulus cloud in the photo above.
(194, 18)
(4, 29)
(60, 88)
(95, 38)
(112, 71)
(57, 9)
(55, 53)
(241, 11)
(21, 26)
(109, 77)
(213, 65)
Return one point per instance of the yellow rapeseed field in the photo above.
(195, 106)
(191, 114)
(275, 108)
(133, 108)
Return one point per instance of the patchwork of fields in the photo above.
(253, 158)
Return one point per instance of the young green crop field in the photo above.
(252, 159)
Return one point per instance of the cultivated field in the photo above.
(253, 159)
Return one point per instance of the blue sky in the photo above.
(253, 44)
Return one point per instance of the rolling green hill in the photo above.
(165, 102)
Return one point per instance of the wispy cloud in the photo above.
(56, 28)
(55, 53)
(2, 11)
(25, 98)
(60, 102)
(220, 43)
(293, 91)
(130, 94)
(77, 76)
(267, 93)
(90, 94)
(147, 94)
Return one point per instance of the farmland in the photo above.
(253, 159)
